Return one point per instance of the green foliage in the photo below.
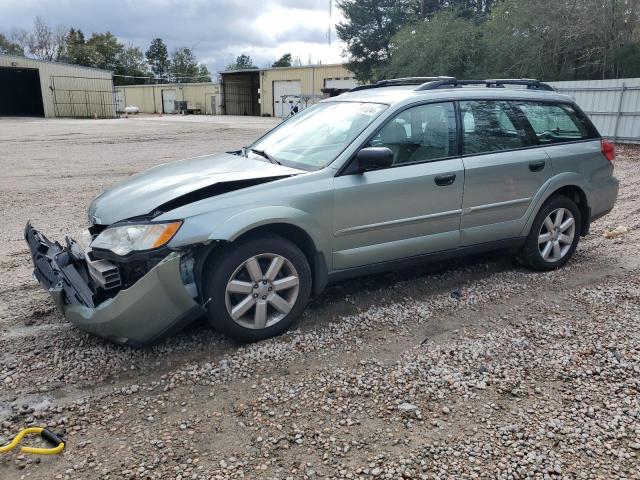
(105, 50)
(76, 51)
(242, 62)
(158, 57)
(546, 39)
(445, 44)
(560, 39)
(368, 29)
(284, 61)
(132, 62)
(8, 47)
(183, 64)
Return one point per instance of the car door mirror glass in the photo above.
(374, 158)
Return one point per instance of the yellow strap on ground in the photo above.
(32, 450)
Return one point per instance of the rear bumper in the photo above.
(603, 195)
(156, 305)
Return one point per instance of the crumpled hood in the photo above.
(143, 192)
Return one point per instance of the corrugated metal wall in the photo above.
(148, 98)
(69, 90)
(312, 80)
(613, 105)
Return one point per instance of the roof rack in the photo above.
(530, 83)
(391, 82)
(434, 83)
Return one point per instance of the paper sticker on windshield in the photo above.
(369, 109)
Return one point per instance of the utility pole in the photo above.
(329, 30)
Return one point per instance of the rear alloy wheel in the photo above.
(257, 288)
(554, 234)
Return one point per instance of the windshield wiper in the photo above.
(264, 154)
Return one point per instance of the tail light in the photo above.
(608, 150)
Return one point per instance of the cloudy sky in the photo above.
(217, 30)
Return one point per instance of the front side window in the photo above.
(420, 134)
(554, 123)
(315, 137)
(489, 126)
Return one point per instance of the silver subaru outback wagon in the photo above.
(390, 174)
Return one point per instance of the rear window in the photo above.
(489, 127)
(553, 123)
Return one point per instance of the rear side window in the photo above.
(490, 126)
(553, 123)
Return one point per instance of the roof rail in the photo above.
(401, 81)
(451, 82)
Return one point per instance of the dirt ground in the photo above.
(476, 368)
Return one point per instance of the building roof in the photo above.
(190, 84)
(317, 65)
(17, 57)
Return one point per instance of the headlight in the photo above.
(124, 239)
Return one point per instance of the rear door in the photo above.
(503, 171)
(411, 208)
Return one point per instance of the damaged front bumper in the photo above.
(154, 306)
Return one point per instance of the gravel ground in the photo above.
(472, 369)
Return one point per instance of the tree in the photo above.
(445, 44)
(184, 64)
(561, 39)
(367, 31)
(158, 58)
(105, 50)
(243, 62)
(283, 61)
(131, 62)
(203, 74)
(7, 47)
(42, 42)
(76, 50)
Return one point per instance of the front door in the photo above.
(411, 208)
(502, 176)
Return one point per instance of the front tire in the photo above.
(554, 235)
(257, 288)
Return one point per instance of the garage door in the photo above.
(286, 94)
(20, 93)
(168, 101)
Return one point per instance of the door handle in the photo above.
(536, 166)
(444, 180)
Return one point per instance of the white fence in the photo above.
(612, 105)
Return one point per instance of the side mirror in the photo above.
(374, 158)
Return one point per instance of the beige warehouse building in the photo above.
(201, 98)
(49, 89)
(275, 91)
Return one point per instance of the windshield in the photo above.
(313, 138)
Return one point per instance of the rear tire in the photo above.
(257, 288)
(554, 235)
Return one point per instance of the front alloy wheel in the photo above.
(257, 287)
(556, 235)
(262, 291)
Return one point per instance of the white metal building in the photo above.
(276, 91)
(202, 98)
(48, 89)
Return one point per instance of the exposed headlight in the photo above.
(124, 239)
